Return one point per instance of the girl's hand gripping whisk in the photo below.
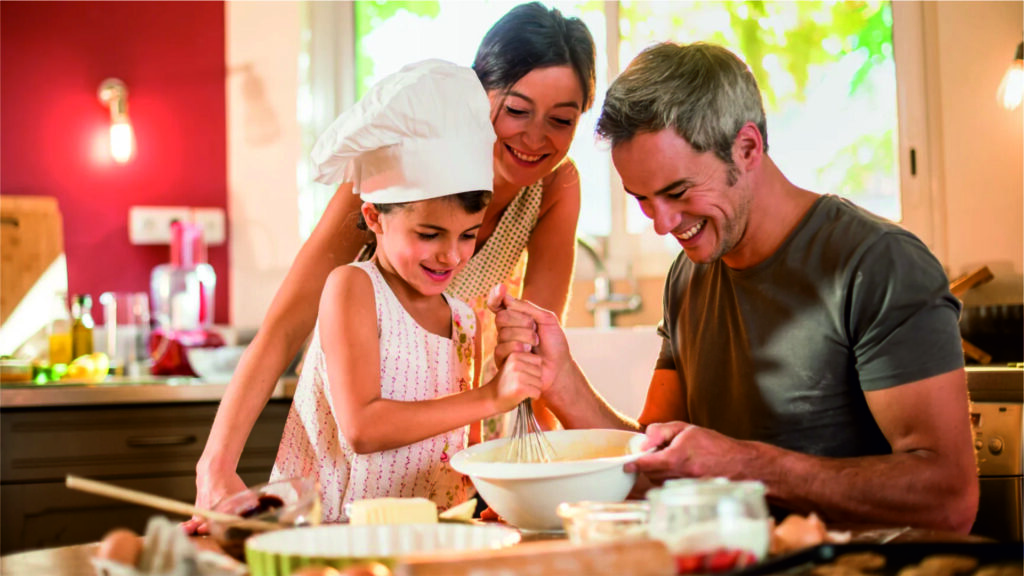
(527, 442)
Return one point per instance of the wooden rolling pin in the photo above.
(550, 558)
(959, 287)
(964, 283)
(165, 504)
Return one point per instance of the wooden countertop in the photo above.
(75, 560)
(124, 390)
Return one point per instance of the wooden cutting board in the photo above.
(31, 239)
(553, 558)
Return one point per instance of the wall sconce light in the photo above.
(114, 94)
(1011, 89)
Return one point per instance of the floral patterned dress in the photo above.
(416, 365)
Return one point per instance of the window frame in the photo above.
(331, 84)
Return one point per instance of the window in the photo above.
(827, 71)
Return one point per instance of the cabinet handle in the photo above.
(172, 440)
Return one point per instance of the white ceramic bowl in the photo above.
(214, 365)
(342, 545)
(588, 466)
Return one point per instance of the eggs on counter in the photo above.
(121, 546)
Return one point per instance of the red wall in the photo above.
(53, 129)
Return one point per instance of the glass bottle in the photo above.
(81, 326)
(59, 330)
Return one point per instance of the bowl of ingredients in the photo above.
(340, 546)
(587, 465)
(587, 522)
(285, 503)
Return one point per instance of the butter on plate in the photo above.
(393, 511)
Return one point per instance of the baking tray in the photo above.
(897, 556)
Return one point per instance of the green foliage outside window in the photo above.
(372, 13)
(825, 69)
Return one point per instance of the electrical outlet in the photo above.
(212, 222)
(152, 224)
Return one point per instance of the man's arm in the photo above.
(666, 399)
(930, 480)
(525, 327)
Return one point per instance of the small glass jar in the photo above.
(714, 524)
(587, 522)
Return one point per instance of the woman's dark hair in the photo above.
(530, 36)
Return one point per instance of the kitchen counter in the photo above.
(146, 435)
(75, 560)
(124, 390)
(985, 383)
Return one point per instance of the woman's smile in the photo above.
(529, 160)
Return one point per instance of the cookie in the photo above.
(836, 570)
(949, 563)
(864, 561)
(1000, 570)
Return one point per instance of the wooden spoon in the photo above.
(165, 504)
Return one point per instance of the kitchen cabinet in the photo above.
(147, 447)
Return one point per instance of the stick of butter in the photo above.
(393, 511)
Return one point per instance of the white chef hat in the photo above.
(422, 132)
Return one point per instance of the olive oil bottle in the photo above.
(81, 326)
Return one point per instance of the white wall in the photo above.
(264, 148)
(976, 146)
(969, 45)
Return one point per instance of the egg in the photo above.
(122, 546)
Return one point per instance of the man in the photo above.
(807, 343)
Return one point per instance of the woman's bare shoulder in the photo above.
(565, 175)
(562, 188)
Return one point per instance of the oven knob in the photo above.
(995, 445)
(978, 445)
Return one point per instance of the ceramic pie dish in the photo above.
(339, 546)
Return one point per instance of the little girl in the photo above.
(387, 389)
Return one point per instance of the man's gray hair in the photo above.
(703, 91)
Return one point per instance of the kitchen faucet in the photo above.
(603, 303)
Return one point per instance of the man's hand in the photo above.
(688, 451)
(524, 327)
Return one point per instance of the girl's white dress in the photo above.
(415, 365)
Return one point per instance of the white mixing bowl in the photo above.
(588, 466)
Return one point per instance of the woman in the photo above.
(538, 70)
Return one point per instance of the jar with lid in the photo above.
(81, 326)
(59, 330)
(711, 525)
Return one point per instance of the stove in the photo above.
(997, 416)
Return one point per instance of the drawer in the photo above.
(48, 514)
(41, 445)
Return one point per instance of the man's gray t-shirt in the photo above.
(782, 352)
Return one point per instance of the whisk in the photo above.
(527, 442)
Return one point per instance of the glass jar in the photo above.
(586, 522)
(711, 525)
